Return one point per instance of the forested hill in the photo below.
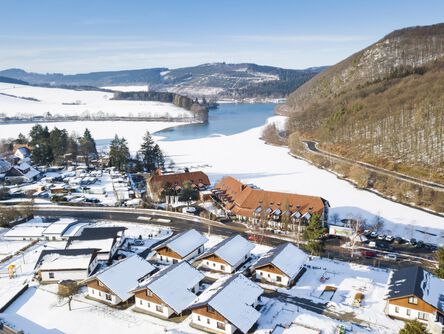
(215, 80)
(383, 105)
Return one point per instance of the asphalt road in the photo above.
(312, 146)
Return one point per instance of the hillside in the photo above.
(216, 80)
(383, 105)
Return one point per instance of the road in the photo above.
(312, 146)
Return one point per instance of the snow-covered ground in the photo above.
(138, 88)
(249, 159)
(9, 247)
(65, 102)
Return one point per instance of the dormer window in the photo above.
(413, 300)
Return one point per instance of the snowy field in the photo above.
(141, 88)
(9, 247)
(66, 102)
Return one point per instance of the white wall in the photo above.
(169, 259)
(272, 278)
(403, 313)
(100, 295)
(217, 266)
(229, 328)
(151, 307)
(76, 275)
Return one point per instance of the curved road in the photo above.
(312, 146)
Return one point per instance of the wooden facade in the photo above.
(94, 284)
(271, 269)
(213, 314)
(214, 258)
(421, 306)
(165, 251)
(142, 294)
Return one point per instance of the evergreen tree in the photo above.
(21, 139)
(88, 146)
(151, 154)
(39, 134)
(440, 258)
(72, 146)
(119, 153)
(313, 233)
(42, 152)
(414, 327)
(58, 140)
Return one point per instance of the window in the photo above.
(408, 312)
(108, 296)
(161, 258)
(100, 283)
(149, 293)
(159, 308)
(92, 291)
(222, 267)
(396, 309)
(279, 278)
(220, 325)
(210, 309)
(208, 321)
(261, 273)
(268, 275)
(51, 275)
(208, 263)
(413, 300)
(422, 316)
(100, 294)
(174, 260)
(214, 264)
(198, 318)
(140, 301)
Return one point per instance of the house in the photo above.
(182, 246)
(55, 265)
(4, 167)
(113, 284)
(169, 292)
(23, 172)
(106, 239)
(157, 184)
(30, 230)
(227, 255)
(22, 151)
(415, 294)
(262, 207)
(282, 265)
(57, 230)
(227, 306)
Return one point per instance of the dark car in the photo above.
(419, 244)
(399, 240)
(412, 241)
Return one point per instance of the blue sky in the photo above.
(89, 35)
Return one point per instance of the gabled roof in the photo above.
(60, 226)
(231, 250)
(233, 298)
(184, 243)
(286, 257)
(124, 275)
(173, 285)
(179, 178)
(418, 282)
(65, 258)
(4, 166)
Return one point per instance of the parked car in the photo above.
(389, 238)
(373, 234)
(431, 247)
(399, 240)
(419, 244)
(372, 244)
(412, 241)
(381, 237)
(367, 233)
(138, 242)
(368, 254)
(390, 257)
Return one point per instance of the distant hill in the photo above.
(216, 80)
(13, 81)
(383, 105)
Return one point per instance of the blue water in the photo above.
(227, 119)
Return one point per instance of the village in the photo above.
(153, 275)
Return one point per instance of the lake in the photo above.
(227, 119)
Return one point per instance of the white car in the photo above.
(389, 238)
(390, 257)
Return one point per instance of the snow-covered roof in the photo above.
(286, 257)
(59, 226)
(124, 275)
(433, 290)
(32, 228)
(4, 166)
(65, 259)
(233, 297)
(74, 229)
(231, 250)
(173, 285)
(103, 245)
(184, 243)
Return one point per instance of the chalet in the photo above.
(112, 285)
(182, 246)
(22, 151)
(22, 173)
(275, 209)
(227, 255)
(158, 183)
(54, 265)
(415, 294)
(282, 265)
(227, 306)
(169, 292)
(106, 239)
